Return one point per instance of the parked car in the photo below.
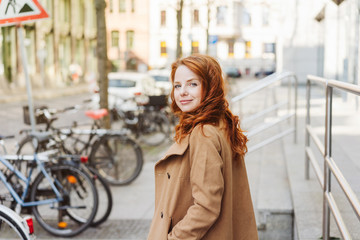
(232, 72)
(263, 73)
(128, 85)
(162, 78)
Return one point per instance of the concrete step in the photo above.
(270, 188)
(274, 203)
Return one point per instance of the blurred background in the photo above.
(256, 37)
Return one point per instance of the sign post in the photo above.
(14, 12)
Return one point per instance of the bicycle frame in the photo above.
(27, 181)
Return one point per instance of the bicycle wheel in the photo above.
(105, 198)
(104, 195)
(154, 129)
(11, 225)
(76, 211)
(117, 158)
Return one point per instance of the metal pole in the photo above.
(327, 176)
(295, 107)
(307, 135)
(356, 50)
(26, 73)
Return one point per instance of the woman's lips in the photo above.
(185, 101)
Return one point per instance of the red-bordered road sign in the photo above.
(16, 11)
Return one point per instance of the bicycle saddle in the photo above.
(41, 136)
(96, 114)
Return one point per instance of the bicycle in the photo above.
(12, 225)
(102, 186)
(62, 197)
(116, 157)
(148, 122)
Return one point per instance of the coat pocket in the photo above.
(170, 225)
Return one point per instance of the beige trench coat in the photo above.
(200, 192)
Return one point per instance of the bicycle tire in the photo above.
(104, 195)
(16, 227)
(63, 218)
(117, 158)
(155, 129)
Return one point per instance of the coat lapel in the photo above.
(176, 149)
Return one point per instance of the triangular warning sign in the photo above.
(15, 11)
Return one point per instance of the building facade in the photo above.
(306, 37)
(128, 36)
(56, 48)
(238, 33)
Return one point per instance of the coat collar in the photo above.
(177, 148)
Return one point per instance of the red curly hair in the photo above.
(213, 107)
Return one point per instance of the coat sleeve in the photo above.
(207, 183)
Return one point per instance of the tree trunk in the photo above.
(179, 28)
(102, 60)
(207, 26)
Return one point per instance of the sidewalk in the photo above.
(21, 95)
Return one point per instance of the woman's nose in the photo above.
(183, 91)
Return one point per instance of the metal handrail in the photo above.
(330, 166)
(262, 84)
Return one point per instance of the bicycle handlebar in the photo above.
(6, 137)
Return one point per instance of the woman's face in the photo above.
(187, 89)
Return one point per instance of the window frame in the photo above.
(113, 38)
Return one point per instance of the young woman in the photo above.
(201, 185)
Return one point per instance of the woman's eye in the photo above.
(176, 86)
(193, 84)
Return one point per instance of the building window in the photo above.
(196, 17)
(132, 5)
(194, 47)
(163, 18)
(129, 40)
(246, 18)
(221, 14)
(111, 5)
(65, 11)
(269, 47)
(49, 7)
(114, 38)
(265, 16)
(122, 6)
(81, 15)
(163, 52)
(231, 48)
(248, 49)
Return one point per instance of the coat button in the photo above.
(168, 175)
(161, 215)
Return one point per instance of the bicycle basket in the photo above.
(39, 118)
(161, 100)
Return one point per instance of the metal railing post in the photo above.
(267, 83)
(327, 172)
(307, 135)
(295, 106)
